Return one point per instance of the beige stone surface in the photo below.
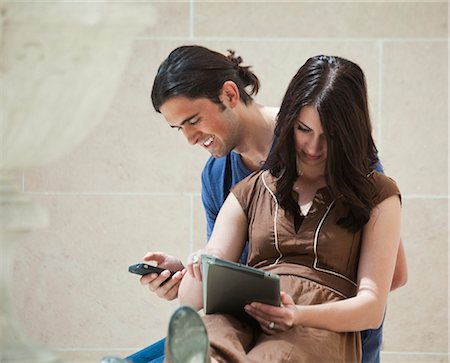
(134, 184)
(414, 358)
(416, 317)
(415, 118)
(154, 18)
(79, 293)
(321, 19)
(133, 149)
(199, 227)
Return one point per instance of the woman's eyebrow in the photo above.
(303, 124)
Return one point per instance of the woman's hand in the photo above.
(194, 262)
(274, 319)
(168, 290)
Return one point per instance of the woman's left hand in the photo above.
(274, 319)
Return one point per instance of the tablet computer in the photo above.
(229, 286)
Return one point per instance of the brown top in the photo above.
(321, 250)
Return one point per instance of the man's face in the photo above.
(203, 123)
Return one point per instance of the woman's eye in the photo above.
(302, 128)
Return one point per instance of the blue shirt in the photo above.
(218, 177)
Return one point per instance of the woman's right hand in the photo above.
(168, 290)
(194, 261)
(194, 264)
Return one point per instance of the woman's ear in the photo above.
(230, 94)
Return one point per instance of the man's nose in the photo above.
(191, 134)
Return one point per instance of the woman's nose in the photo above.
(316, 144)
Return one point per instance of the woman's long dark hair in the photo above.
(194, 72)
(336, 88)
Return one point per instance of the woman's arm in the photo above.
(381, 237)
(401, 270)
(226, 242)
(380, 244)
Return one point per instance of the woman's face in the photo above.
(310, 142)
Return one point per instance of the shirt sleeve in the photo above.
(245, 190)
(386, 187)
(209, 204)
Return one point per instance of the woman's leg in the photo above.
(214, 338)
(230, 338)
(307, 345)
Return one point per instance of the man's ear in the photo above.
(230, 94)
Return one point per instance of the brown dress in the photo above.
(317, 264)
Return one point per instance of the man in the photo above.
(208, 96)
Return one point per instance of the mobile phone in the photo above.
(145, 269)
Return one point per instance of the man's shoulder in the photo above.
(215, 166)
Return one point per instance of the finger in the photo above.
(172, 293)
(190, 269)
(147, 279)
(193, 265)
(197, 271)
(164, 287)
(286, 299)
(260, 319)
(269, 327)
(155, 283)
(264, 311)
(264, 319)
(267, 331)
(168, 291)
(158, 257)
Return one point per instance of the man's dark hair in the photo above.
(194, 71)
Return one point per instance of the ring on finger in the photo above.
(195, 259)
(271, 325)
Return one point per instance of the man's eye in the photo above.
(194, 122)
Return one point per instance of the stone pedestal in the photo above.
(60, 67)
(18, 217)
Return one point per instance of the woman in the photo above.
(319, 217)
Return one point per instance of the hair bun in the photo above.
(235, 60)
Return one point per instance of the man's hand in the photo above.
(169, 290)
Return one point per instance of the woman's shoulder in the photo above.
(253, 185)
(253, 179)
(254, 190)
(385, 186)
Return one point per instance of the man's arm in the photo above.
(216, 184)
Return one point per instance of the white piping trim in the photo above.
(316, 241)
(316, 238)
(275, 218)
